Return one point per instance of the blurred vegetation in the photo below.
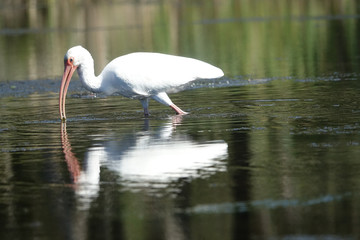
(244, 37)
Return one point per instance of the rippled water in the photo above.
(270, 151)
(238, 160)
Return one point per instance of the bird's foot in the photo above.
(182, 113)
(178, 110)
(146, 112)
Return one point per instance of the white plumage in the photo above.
(137, 75)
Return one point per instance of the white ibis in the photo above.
(141, 76)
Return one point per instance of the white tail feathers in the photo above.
(212, 72)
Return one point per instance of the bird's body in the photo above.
(137, 75)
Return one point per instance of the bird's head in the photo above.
(74, 58)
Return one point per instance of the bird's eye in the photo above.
(70, 60)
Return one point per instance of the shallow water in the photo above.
(244, 163)
(270, 151)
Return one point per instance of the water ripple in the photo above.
(234, 207)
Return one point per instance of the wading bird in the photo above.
(139, 76)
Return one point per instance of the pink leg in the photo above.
(178, 110)
(163, 98)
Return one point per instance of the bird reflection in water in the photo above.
(86, 181)
(153, 158)
(70, 159)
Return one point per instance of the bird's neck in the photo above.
(88, 78)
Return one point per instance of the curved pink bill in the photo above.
(68, 72)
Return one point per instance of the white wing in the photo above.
(150, 73)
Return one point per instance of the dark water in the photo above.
(270, 151)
